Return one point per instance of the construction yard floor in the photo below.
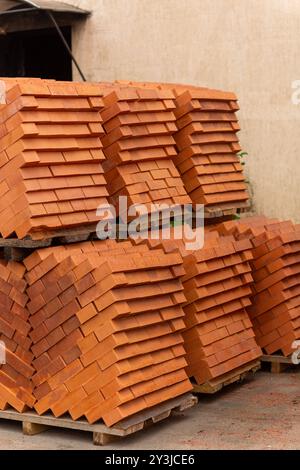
(261, 413)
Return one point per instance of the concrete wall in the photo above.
(249, 46)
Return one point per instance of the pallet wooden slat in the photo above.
(277, 362)
(47, 238)
(33, 424)
(226, 209)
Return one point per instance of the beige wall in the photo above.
(251, 47)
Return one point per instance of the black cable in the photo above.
(58, 29)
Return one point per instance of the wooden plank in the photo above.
(277, 362)
(46, 239)
(278, 367)
(31, 429)
(186, 404)
(34, 424)
(154, 411)
(84, 230)
(161, 417)
(226, 209)
(25, 243)
(68, 423)
(207, 388)
(277, 358)
(102, 439)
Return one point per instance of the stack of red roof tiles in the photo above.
(51, 175)
(207, 144)
(208, 147)
(106, 326)
(16, 368)
(275, 308)
(51, 151)
(219, 337)
(140, 148)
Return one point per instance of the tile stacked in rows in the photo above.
(275, 312)
(15, 357)
(51, 175)
(207, 145)
(140, 148)
(106, 326)
(219, 337)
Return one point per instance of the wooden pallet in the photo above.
(47, 237)
(17, 249)
(33, 424)
(79, 233)
(278, 363)
(237, 375)
(228, 209)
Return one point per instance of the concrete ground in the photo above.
(261, 413)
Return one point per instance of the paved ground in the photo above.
(263, 413)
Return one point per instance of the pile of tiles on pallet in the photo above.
(140, 148)
(163, 144)
(50, 175)
(207, 144)
(16, 368)
(106, 329)
(98, 329)
(219, 337)
(275, 309)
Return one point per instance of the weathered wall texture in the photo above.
(251, 47)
